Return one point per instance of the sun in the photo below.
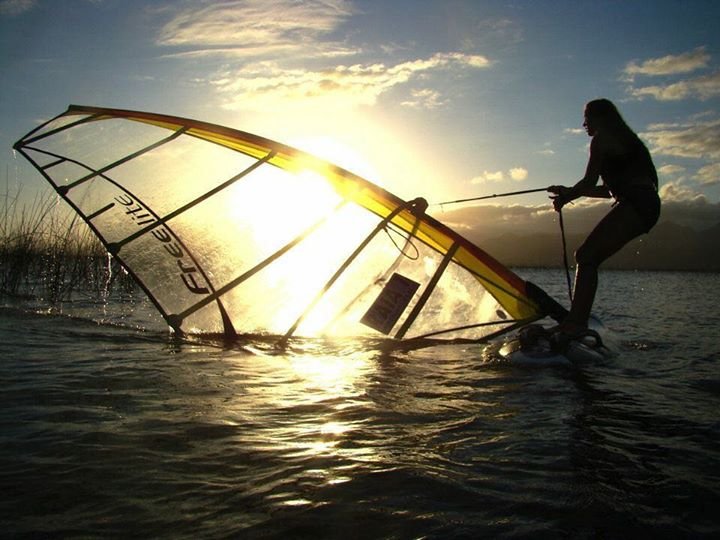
(274, 208)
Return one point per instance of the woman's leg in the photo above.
(616, 229)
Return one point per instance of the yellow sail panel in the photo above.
(230, 232)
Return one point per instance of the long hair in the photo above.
(605, 111)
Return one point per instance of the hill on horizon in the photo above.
(668, 246)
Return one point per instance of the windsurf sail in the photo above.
(231, 232)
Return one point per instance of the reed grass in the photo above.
(48, 253)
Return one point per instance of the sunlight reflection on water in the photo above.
(108, 430)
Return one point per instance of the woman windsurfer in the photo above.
(623, 162)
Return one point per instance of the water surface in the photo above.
(111, 428)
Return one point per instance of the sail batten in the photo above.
(251, 272)
(191, 204)
(127, 158)
(206, 219)
(427, 291)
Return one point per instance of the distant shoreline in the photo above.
(520, 269)
(668, 247)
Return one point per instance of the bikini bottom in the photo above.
(646, 203)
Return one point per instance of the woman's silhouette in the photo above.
(623, 162)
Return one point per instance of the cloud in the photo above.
(516, 173)
(279, 53)
(678, 192)
(264, 85)
(709, 174)
(670, 170)
(497, 176)
(503, 30)
(494, 220)
(669, 65)
(16, 7)
(703, 88)
(681, 205)
(256, 28)
(424, 99)
(546, 150)
(700, 140)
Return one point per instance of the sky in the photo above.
(444, 99)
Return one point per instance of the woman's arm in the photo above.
(601, 192)
(587, 185)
